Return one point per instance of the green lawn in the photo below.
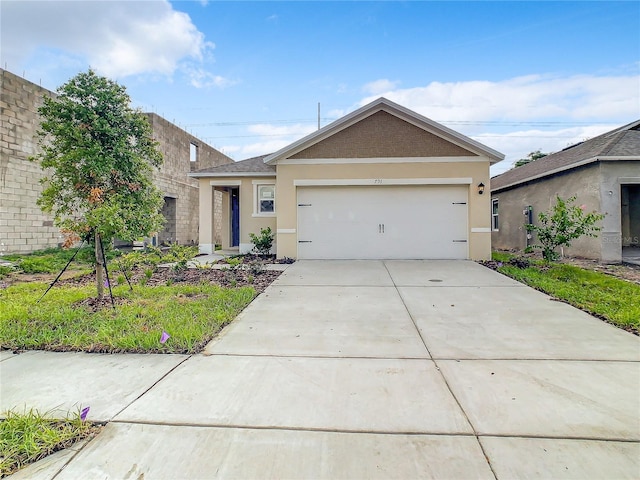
(190, 314)
(50, 260)
(615, 300)
(26, 437)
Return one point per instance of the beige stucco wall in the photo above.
(476, 168)
(249, 222)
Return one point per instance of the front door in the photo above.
(235, 217)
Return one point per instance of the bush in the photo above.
(180, 255)
(262, 243)
(5, 270)
(562, 224)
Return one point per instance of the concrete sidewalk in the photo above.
(359, 369)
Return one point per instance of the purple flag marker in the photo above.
(106, 283)
(165, 336)
(84, 413)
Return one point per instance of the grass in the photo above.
(190, 314)
(29, 436)
(613, 299)
(50, 260)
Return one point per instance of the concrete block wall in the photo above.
(24, 228)
(172, 179)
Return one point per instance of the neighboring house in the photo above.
(23, 226)
(603, 173)
(381, 182)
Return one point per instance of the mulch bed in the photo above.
(168, 276)
(252, 258)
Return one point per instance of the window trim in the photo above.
(495, 217)
(256, 199)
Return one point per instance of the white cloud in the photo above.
(517, 144)
(519, 115)
(274, 137)
(200, 78)
(578, 97)
(296, 130)
(117, 38)
(379, 87)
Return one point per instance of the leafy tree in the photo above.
(531, 157)
(562, 224)
(98, 156)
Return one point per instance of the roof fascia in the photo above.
(230, 174)
(548, 173)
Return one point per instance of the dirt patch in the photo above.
(168, 276)
(95, 304)
(259, 280)
(624, 271)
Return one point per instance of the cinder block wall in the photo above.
(172, 179)
(24, 228)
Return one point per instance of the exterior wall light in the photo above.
(480, 188)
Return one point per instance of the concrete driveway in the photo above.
(375, 369)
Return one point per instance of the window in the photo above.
(494, 214)
(193, 152)
(266, 199)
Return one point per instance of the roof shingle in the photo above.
(243, 167)
(621, 142)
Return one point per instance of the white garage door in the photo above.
(369, 222)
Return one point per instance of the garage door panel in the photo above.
(382, 222)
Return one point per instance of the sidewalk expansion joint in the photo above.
(556, 437)
(524, 359)
(291, 428)
(153, 385)
(444, 379)
(319, 357)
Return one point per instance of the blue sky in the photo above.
(247, 76)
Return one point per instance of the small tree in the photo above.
(531, 157)
(562, 224)
(262, 243)
(98, 155)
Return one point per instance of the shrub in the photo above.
(180, 255)
(5, 270)
(562, 224)
(262, 243)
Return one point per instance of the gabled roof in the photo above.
(382, 104)
(250, 167)
(620, 144)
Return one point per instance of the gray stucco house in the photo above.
(603, 173)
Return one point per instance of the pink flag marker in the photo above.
(165, 336)
(84, 413)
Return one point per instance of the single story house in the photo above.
(382, 182)
(603, 173)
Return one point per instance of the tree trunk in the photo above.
(99, 268)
